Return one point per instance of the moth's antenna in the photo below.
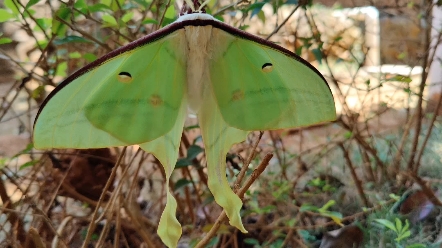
(190, 4)
(202, 5)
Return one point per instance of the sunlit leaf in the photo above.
(181, 183)
(327, 205)
(75, 55)
(59, 28)
(90, 57)
(38, 92)
(61, 69)
(98, 7)
(110, 20)
(193, 151)
(183, 162)
(71, 39)
(169, 16)
(27, 150)
(5, 40)
(127, 17)
(255, 8)
(251, 241)
(28, 164)
(149, 21)
(307, 207)
(318, 55)
(400, 78)
(5, 15)
(11, 6)
(387, 224)
(261, 16)
(31, 3)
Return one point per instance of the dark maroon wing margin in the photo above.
(164, 32)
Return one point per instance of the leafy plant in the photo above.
(402, 231)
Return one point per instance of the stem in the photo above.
(91, 227)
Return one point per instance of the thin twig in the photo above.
(419, 106)
(427, 191)
(243, 171)
(283, 23)
(427, 137)
(109, 182)
(354, 176)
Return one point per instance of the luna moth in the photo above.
(141, 93)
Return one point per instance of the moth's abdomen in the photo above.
(198, 55)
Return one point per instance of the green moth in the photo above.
(141, 93)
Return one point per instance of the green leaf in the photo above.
(113, 4)
(182, 162)
(318, 55)
(59, 28)
(3, 162)
(143, 3)
(251, 241)
(407, 225)
(193, 152)
(127, 17)
(5, 40)
(149, 21)
(348, 134)
(327, 205)
(42, 43)
(89, 57)
(170, 13)
(44, 23)
(11, 6)
(81, 4)
(75, 55)
(402, 55)
(5, 15)
(213, 242)
(244, 27)
(255, 8)
(219, 18)
(403, 236)
(416, 246)
(110, 20)
(181, 183)
(61, 69)
(70, 39)
(298, 50)
(24, 151)
(308, 207)
(262, 16)
(29, 12)
(400, 78)
(28, 164)
(98, 7)
(169, 16)
(37, 92)
(31, 3)
(191, 127)
(395, 197)
(398, 225)
(331, 214)
(387, 224)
